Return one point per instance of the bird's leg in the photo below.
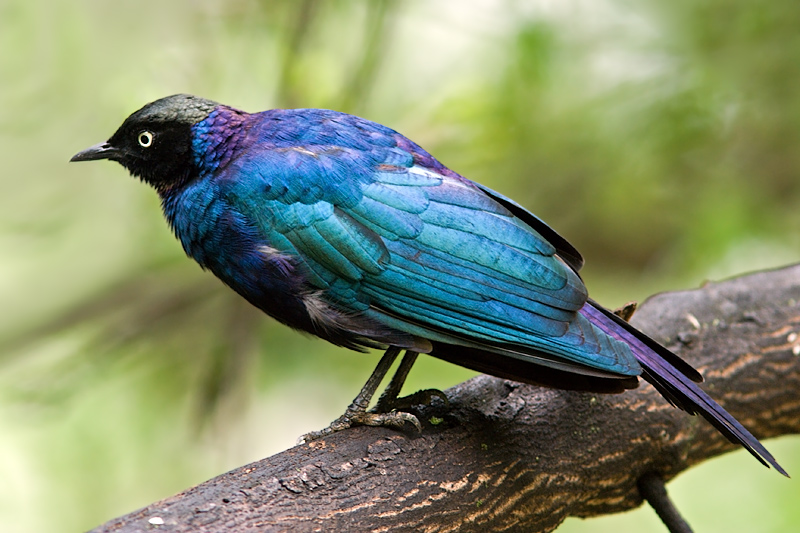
(356, 413)
(389, 399)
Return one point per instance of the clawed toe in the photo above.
(422, 397)
(395, 419)
(390, 410)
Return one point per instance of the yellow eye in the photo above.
(145, 139)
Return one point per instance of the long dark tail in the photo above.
(676, 380)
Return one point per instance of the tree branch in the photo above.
(512, 457)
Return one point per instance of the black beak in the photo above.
(98, 151)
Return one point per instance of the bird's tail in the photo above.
(676, 380)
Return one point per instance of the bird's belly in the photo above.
(223, 241)
(266, 278)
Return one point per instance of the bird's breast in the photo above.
(237, 250)
(222, 239)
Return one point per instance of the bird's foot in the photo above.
(422, 397)
(390, 411)
(359, 417)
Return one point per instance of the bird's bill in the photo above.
(93, 153)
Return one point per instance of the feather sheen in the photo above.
(345, 229)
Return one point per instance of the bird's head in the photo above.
(155, 142)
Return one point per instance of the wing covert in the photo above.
(426, 253)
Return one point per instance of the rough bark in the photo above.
(512, 457)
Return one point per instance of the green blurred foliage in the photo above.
(660, 138)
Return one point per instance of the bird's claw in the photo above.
(395, 419)
(422, 397)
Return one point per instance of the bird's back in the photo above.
(344, 228)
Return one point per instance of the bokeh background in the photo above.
(661, 138)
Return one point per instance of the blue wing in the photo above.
(384, 231)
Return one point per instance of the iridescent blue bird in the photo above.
(345, 229)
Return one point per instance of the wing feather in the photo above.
(432, 255)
